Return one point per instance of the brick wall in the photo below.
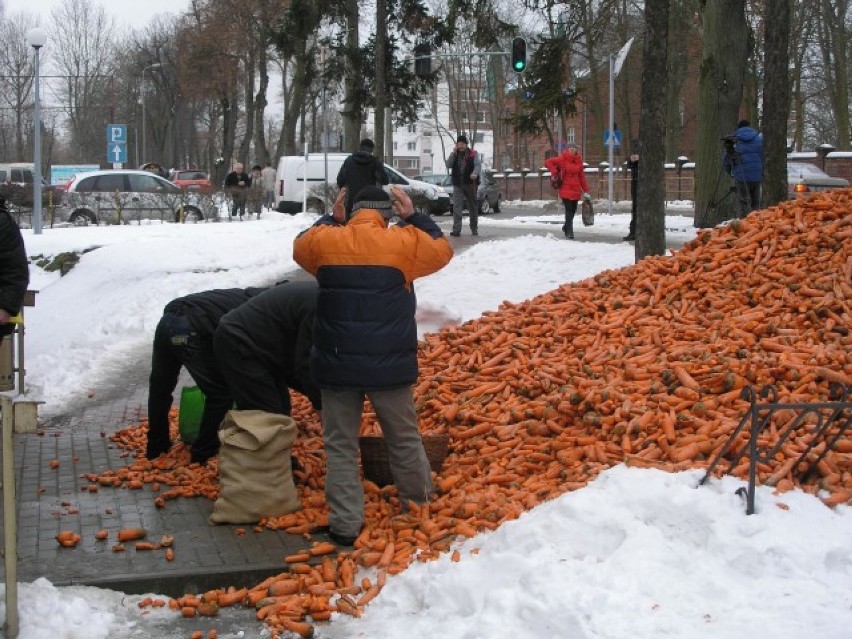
(535, 185)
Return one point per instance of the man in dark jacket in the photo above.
(365, 341)
(237, 184)
(14, 270)
(264, 346)
(464, 165)
(360, 169)
(184, 337)
(743, 160)
(633, 165)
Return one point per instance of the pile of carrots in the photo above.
(642, 365)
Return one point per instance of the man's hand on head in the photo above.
(402, 204)
(338, 209)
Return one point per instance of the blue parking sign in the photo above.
(116, 133)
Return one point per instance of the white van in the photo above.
(20, 173)
(297, 171)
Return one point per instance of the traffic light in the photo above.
(519, 55)
(423, 60)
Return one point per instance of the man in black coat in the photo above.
(237, 184)
(184, 337)
(359, 170)
(633, 165)
(264, 346)
(14, 269)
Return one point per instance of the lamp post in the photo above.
(156, 65)
(36, 38)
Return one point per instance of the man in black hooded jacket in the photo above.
(359, 170)
(184, 337)
(14, 270)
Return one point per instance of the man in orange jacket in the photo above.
(365, 340)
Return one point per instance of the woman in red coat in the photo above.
(570, 165)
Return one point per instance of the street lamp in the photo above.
(156, 65)
(36, 38)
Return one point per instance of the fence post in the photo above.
(10, 522)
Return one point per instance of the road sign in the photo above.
(117, 133)
(612, 137)
(117, 153)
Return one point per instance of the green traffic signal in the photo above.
(519, 55)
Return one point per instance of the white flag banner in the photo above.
(622, 55)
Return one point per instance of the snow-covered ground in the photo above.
(638, 553)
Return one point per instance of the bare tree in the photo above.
(776, 100)
(835, 46)
(720, 87)
(16, 83)
(650, 210)
(83, 54)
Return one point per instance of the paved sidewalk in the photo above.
(50, 500)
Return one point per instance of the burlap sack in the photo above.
(255, 476)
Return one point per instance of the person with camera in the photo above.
(365, 340)
(743, 161)
(569, 166)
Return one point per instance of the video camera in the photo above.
(729, 142)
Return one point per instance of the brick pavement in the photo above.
(50, 500)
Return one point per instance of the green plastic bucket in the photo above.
(191, 409)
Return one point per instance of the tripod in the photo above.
(711, 206)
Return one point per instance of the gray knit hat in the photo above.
(372, 197)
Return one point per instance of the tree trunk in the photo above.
(651, 201)
(261, 152)
(351, 107)
(835, 15)
(720, 92)
(381, 80)
(776, 100)
(248, 96)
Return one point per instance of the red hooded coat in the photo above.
(573, 178)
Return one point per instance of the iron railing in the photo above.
(826, 422)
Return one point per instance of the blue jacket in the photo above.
(749, 147)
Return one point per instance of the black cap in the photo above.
(367, 144)
(743, 123)
(372, 197)
(462, 138)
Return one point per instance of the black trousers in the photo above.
(749, 196)
(570, 210)
(252, 384)
(176, 345)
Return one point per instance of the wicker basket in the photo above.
(374, 456)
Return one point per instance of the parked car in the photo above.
(803, 178)
(487, 195)
(193, 180)
(127, 195)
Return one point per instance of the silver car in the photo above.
(487, 194)
(804, 178)
(121, 196)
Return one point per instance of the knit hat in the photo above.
(462, 138)
(367, 145)
(372, 197)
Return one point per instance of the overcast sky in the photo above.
(128, 13)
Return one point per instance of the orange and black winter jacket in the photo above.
(365, 334)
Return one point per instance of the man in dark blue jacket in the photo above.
(743, 160)
(263, 348)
